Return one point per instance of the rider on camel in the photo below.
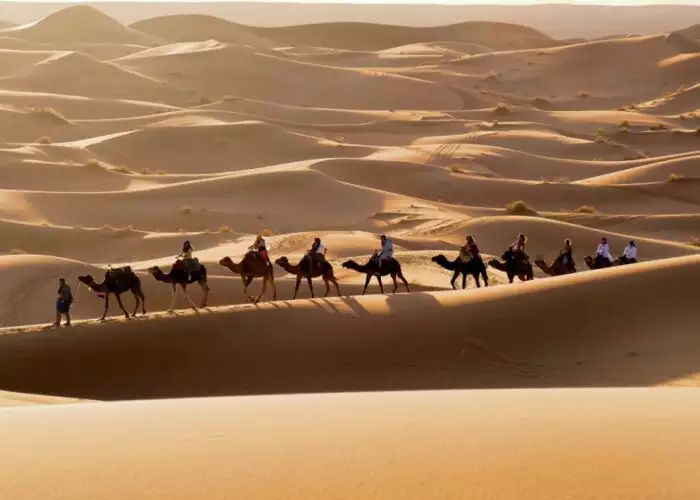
(517, 249)
(469, 251)
(566, 255)
(260, 247)
(629, 255)
(317, 253)
(603, 258)
(187, 259)
(386, 252)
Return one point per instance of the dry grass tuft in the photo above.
(585, 209)
(540, 102)
(501, 109)
(584, 95)
(658, 126)
(676, 178)
(225, 229)
(520, 208)
(44, 140)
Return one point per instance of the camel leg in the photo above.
(104, 314)
(119, 301)
(477, 280)
(262, 291)
(337, 288)
(172, 302)
(184, 292)
(205, 291)
(464, 281)
(405, 282)
(486, 278)
(274, 288)
(396, 285)
(328, 287)
(311, 287)
(247, 280)
(379, 280)
(369, 277)
(296, 288)
(454, 278)
(136, 307)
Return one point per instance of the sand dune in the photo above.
(195, 27)
(364, 36)
(79, 23)
(118, 143)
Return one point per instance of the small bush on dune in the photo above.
(160, 172)
(658, 126)
(267, 232)
(520, 208)
(146, 171)
(123, 169)
(583, 95)
(585, 209)
(675, 177)
(456, 169)
(17, 251)
(44, 140)
(695, 242)
(187, 210)
(540, 102)
(225, 229)
(501, 109)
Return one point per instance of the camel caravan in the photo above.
(256, 263)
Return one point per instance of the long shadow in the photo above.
(510, 336)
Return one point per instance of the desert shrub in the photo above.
(267, 232)
(146, 171)
(501, 109)
(675, 177)
(123, 169)
(658, 126)
(540, 102)
(187, 210)
(225, 229)
(695, 242)
(520, 208)
(456, 169)
(585, 209)
(44, 140)
(160, 172)
(17, 251)
(584, 95)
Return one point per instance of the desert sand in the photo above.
(118, 142)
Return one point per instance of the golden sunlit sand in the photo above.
(120, 141)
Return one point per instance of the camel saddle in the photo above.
(118, 271)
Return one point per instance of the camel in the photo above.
(523, 272)
(557, 268)
(252, 266)
(305, 269)
(178, 276)
(117, 281)
(592, 264)
(390, 266)
(475, 267)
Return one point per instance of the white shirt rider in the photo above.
(604, 250)
(630, 252)
(387, 251)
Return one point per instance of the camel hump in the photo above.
(119, 271)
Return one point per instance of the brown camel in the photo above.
(251, 267)
(594, 263)
(522, 268)
(178, 276)
(390, 266)
(306, 269)
(475, 267)
(557, 268)
(117, 281)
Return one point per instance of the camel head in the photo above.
(282, 261)
(439, 259)
(589, 261)
(350, 264)
(154, 270)
(87, 279)
(226, 262)
(493, 263)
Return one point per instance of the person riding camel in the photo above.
(469, 251)
(517, 249)
(260, 249)
(566, 255)
(603, 258)
(386, 252)
(317, 253)
(629, 254)
(187, 259)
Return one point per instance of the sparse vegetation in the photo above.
(585, 209)
(676, 178)
(160, 172)
(17, 251)
(44, 140)
(122, 169)
(584, 95)
(146, 171)
(520, 208)
(267, 232)
(540, 102)
(457, 169)
(501, 109)
(187, 210)
(492, 75)
(658, 126)
(695, 242)
(225, 229)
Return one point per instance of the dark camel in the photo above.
(558, 268)
(592, 263)
(522, 268)
(475, 267)
(390, 266)
(250, 267)
(306, 269)
(178, 276)
(117, 281)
